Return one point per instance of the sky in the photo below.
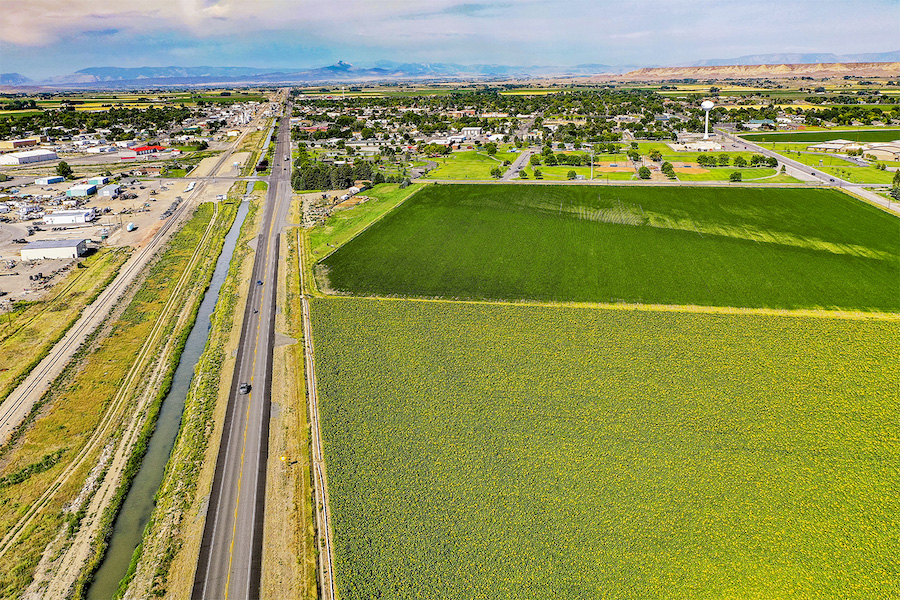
(43, 38)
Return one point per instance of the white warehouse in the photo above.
(28, 156)
(110, 191)
(50, 249)
(70, 217)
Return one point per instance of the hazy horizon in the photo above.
(40, 39)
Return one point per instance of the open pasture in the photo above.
(469, 165)
(777, 248)
(507, 451)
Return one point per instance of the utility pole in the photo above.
(592, 162)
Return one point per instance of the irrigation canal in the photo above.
(139, 502)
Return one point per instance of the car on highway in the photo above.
(259, 282)
(244, 388)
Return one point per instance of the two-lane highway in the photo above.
(229, 565)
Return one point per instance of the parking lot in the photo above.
(144, 203)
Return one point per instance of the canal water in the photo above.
(135, 512)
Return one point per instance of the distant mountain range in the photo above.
(13, 79)
(384, 70)
(798, 59)
(338, 72)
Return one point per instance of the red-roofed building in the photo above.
(148, 149)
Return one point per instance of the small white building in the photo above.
(84, 189)
(70, 217)
(49, 180)
(109, 191)
(101, 149)
(28, 156)
(50, 249)
(99, 180)
(471, 132)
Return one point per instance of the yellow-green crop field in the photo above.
(481, 450)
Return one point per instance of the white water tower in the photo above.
(707, 105)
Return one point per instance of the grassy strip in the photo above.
(24, 473)
(344, 225)
(76, 402)
(289, 549)
(179, 485)
(35, 330)
(200, 280)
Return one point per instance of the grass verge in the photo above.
(28, 335)
(164, 564)
(289, 552)
(343, 226)
(71, 410)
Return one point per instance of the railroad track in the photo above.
(61, 353)
(111, 417)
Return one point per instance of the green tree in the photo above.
(491, 148)
(736, 176)
(534, 160)
(538, 174)
(496, 173)
(571, 175)
(655, 155)
(723, 160)
(63, 169)
(644, 173)
(740, 162)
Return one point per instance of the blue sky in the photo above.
(41, 38)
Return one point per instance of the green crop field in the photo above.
(855, 135)
(485, 451)
(780, 248)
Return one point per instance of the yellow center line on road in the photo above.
(249, 398)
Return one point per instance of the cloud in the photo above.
(479, 31)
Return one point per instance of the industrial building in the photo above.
(70, 217)
(28, 156)
(50, 249)
(84, 189)
(14, 144)
(99, 180)
(49, 180)
(471, 132)
(109, 191)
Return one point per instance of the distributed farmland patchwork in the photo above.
(513, 451)
(780, 248)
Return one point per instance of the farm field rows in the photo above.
(776, 248)
(513, 451)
